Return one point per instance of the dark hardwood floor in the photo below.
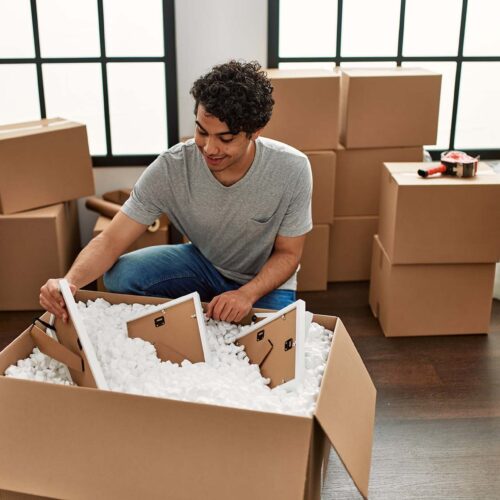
(437, 433)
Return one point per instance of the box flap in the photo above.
(346, 407)
(35, 127)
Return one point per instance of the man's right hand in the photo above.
(52, 300)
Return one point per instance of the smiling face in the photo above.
(228, 154)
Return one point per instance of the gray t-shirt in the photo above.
(235, 226)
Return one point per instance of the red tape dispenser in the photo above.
(454, 163)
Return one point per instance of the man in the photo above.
(243, 201)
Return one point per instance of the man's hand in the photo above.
(52, 301)
(230, 306)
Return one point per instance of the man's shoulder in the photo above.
(179, 152)
(273, 147)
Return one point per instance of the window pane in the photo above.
(448, 70)
(425, 22)
(479, 106)
(74, 91)
(16, 30)
(308, 29)
(68, 28)
(370, 28)
(137, 108)
(18, 93)
(482, 33)
(133, 28)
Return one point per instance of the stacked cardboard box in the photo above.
(433, 261)
(42, 164)
(348, 124)
(306, 116)
(386, 115)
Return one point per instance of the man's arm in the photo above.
(283, 262)
(93, 261)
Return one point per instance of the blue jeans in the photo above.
(175, 270)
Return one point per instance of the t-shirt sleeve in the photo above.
(298, 217)
(146, 200)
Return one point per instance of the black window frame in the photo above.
(274, 59)
(168, 59)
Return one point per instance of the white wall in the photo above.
(208, 32)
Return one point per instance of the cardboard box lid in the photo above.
(346, 407)
(387, 72)
(405, 174)
(275, 73)
(35, 127)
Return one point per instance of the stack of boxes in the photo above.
(306, 116)
(348, 124)
(386, 115)
(44, 167)
(433, 263)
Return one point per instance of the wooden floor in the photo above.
(437, 431)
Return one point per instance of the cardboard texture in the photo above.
(350, 248)
(323, 172)
(176, 329)
(285, 453)
(430, 299)
(357, 177)
(307, 108)
(389, 107)
(43, 163)
(34, 246)
(276, 344)
(439, 220)
(313, 273)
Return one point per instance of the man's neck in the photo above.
(236, 172)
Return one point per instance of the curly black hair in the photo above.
(237, 93)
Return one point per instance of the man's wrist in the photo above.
(250, 292)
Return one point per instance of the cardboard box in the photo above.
(357, 177)
(307, 108)
(313, 274)
(323, 172)
(103, 444)
(34, 246)
(350, 248)
(43, 163)
(430, 299)
(389, 107)
(148, 239)
(441, 219)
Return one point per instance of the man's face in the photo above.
(220, 147)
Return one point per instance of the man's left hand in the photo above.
(230, 306)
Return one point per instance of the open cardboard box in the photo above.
(74, 442)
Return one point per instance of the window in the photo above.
(107, 63)
(457, 38)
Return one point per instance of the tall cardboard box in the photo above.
(34, 246)
(430, 299)
(107, 445)
(313, 273)
(350, 248)
(389, 107)
(323, 172)
(357, 177)
(439, 220)
(307, 108)
(43, 163)
(148, 239)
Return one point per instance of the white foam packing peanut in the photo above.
(132, 366)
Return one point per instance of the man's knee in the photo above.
(121, 278)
